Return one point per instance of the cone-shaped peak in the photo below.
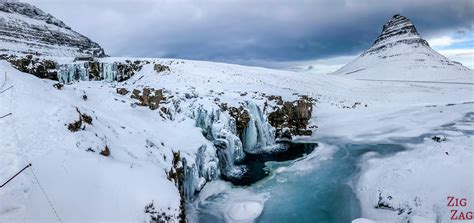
(399, 53)
(398, 28)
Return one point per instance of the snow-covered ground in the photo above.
(84, 185)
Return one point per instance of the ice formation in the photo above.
(85, 71)
(74, 71)
(259, 133)
(220, 130)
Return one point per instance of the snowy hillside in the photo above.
(147, 146)
(26, 29)
(399, 53)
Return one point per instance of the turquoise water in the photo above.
(314, 188)
(322, 194)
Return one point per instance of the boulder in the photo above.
(160, 68)
(292, 118)
(122, 91)
(150, 97)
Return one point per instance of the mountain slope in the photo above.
(399, 53)
(26, 29)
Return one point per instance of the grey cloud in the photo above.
(268, 30)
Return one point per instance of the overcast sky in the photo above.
(322, 33)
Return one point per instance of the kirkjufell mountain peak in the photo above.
(400, 53)
(26, 29)
(397, 30)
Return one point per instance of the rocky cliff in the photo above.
(398, 30)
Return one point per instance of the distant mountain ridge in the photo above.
(26, 29)
(400, 53)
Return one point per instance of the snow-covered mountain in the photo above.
(400, 53)
(26, 29)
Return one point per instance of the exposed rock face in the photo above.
(398, 30)
(105, 151)
(241, 117)
(39, 67)
(292, 118)
(26, 29)
(150, 97)
(122, 91)
(177, 174)
(67, 73)
(160, 68)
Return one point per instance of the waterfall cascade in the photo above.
(74, 71)
(220, 130)
(93, 70)
(259, 134)
(196, 175)
(83, 72)
(108, 72)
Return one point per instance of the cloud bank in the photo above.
(251, 31)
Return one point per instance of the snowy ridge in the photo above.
(399, 53)
(26, 29)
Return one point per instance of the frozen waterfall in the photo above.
(71, 72)
(83, 72)
(259, 134)
(218, 128)
(108, 72)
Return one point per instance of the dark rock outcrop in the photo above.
(150, 97)
(105, 151)
(292, 118)
(128, 68)
(160, 68)
(41, 68)
(66, 73)
(177, 175)
(122, 91)
(241, 117)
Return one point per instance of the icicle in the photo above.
(259, 133)
(217, 128)
(188, 179)
(207, 166)
(73, 72)
(197, 174)
(63, 75)
(83, 71)
(109, 71)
